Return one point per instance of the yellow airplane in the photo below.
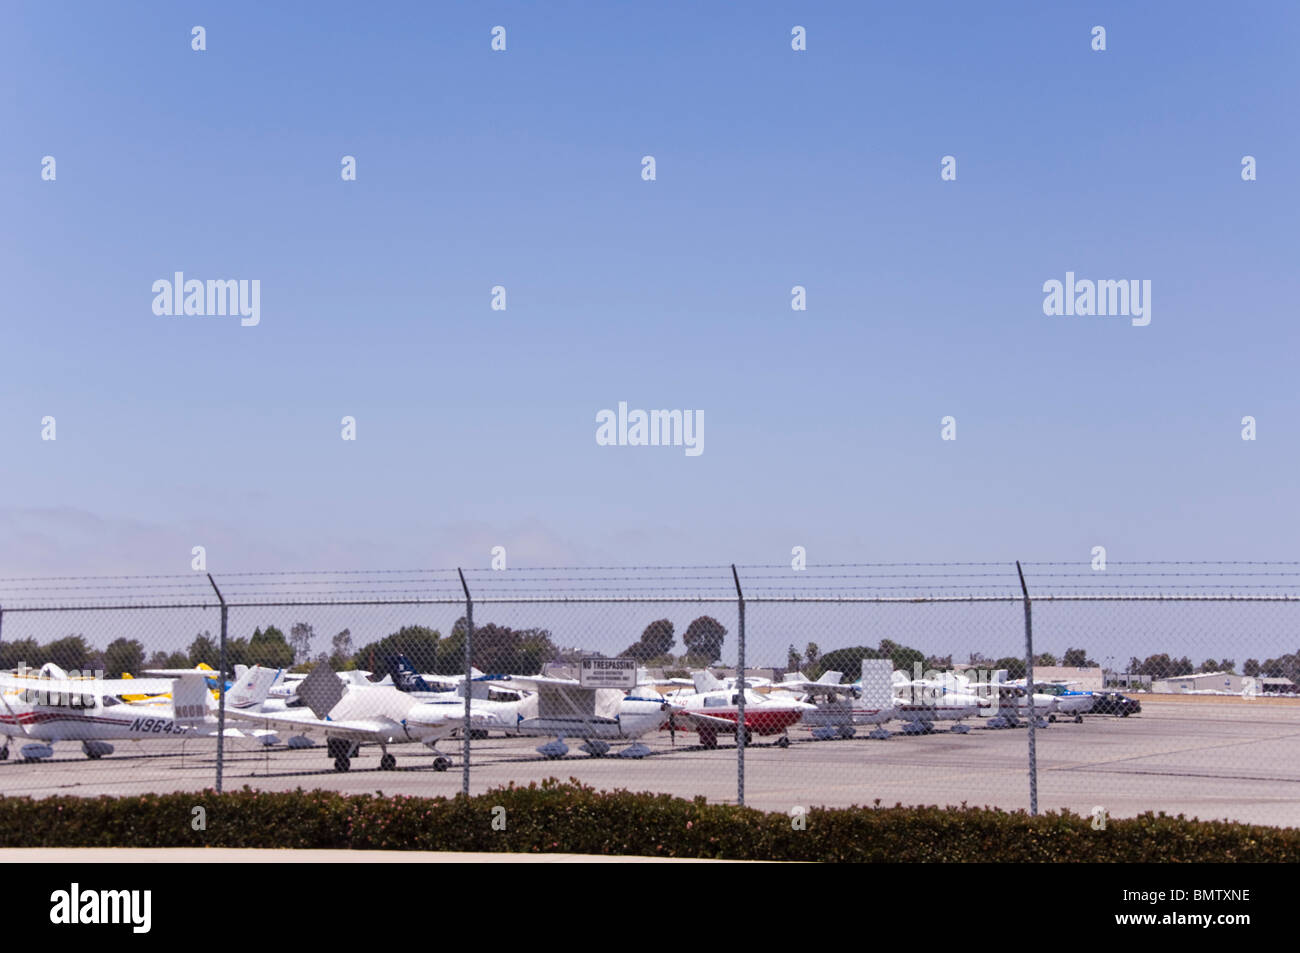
(202, 667)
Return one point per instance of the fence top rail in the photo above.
(647, 599)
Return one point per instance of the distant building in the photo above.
(1225, 682)
(1084, 679)
(1128, 682)
(1278, 686)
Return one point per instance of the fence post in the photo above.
(464, 731)
(221, 687)
(1029, 690)
(742, 731)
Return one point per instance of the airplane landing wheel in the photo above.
(1078, 719)
(94, 756)
(783, 742)
(441, 764)
(388, 762)
(744, 737)
(342, 764)
(4, 753)
(1051, 718)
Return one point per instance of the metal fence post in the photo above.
(469, 640)
(1029, 690)
(221, 687)
(742, 732)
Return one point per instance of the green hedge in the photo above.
(573, 818)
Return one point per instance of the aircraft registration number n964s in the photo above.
(156, 726)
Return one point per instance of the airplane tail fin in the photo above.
(405, 677)
(252, 687)
(190, 698)
(830, 678)
(706, 681)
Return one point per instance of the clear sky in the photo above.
(775, 168)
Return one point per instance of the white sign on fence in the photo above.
(607, 673)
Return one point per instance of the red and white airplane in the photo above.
(714, 709)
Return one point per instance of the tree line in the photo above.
(498, 648)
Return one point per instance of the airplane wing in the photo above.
(699, 719)
(366, 728)
(355, 729)
(88, 686)
(535, 682)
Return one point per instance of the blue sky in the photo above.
(775, 168)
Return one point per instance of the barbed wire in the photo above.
(701, 582)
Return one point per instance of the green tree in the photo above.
(656, 640)
(418, 643)
(21, 652)
(237, 653)
(70, 652)
(900, 656)
(451, 650)
(1077, 658)
(203, 650)
(848, 661)
(269, 648)
(300, 636)
(123, 655)
(1015, 666)
(704, 637)
(161, 659)
(341, 651)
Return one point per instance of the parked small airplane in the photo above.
(598, 716)
(49, 710)
(714, 709)
(838, 708)
(1068, 702)
(349, 715)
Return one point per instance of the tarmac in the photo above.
(1209, 757)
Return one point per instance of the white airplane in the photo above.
(919, 703)
(286, 686)
(349, 715)
(838, 708)
(49, 710)
(1001, 702)
(1068, 702)
(565, 709)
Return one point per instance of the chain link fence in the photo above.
(1154, 686)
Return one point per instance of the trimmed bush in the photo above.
(574, 818)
